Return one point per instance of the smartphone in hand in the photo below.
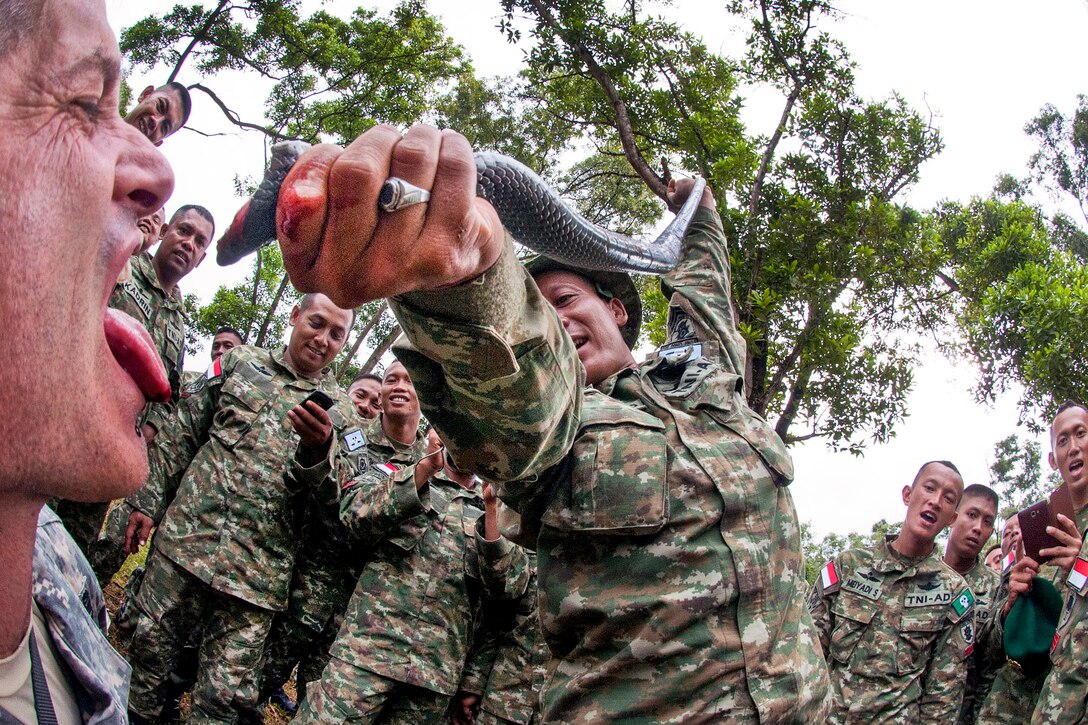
(1035, 518)
(319, 397)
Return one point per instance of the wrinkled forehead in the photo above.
(554, 281)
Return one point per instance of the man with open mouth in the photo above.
(68, 157)
(896, 623)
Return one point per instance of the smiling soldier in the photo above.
(896, 623)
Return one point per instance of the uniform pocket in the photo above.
(618, 476)
(918, 631)
(852, 617)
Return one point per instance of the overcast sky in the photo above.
(983, 69)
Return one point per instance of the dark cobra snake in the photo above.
(529, 209)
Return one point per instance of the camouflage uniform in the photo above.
(667, 541)
(68, 594)
(327, 567)
(406, 632)
(981, 666)
(164, 317)
(1064, 694)
(509, 662)
(1014, 693)
(224, 551)
(896, 632)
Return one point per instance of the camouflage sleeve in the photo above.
(699, 292)
(158, 414)
(379, 499)
(495, 373)
(178, 442)
(481, 659)
(505, 570)
(946, 674)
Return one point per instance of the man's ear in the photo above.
(145, 93)
(619, 312)
(1052, 460)
(202, 256)
(295, 312)
(906, 494)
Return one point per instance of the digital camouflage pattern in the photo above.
(1014, 693)
(896, 632)
(234, 522)
(164, 316)
(668, 545)
(68, 594)
(169, 606)
(981, 665)
(411, 616)
(328, 563)
(1063, 697)
(509, 660)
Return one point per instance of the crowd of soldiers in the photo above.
(577, 537)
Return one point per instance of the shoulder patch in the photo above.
(1008, 561)
(967, 629)
(1078, 575)
(353, 440)
(215, 370)
(387, 469)
(962, 604)
(829, 578)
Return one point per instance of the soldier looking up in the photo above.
(366, 392)
(896, 623)
(66, 157)
(245, 448)
(973, 527)
(160, 112)
(656, 499)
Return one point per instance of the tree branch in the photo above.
(271, 312)
(233, 117)
(198, 36)
(381, 350)
(362, 336)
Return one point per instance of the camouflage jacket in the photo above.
(645, 498)
(164, 316)
(329, 558)
(509, 659)
(1014, 693)
(230, 456)
(68, 594)
(896, 632)
(413, 611)
(981, 665)
(1064, 694)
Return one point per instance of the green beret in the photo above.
(1030, 626)
(609, 284)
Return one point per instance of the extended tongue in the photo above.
(135, 352)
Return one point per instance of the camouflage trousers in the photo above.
(349, 694)
(1012, 697)
(107, 552)
(170, 604)
(292, 643)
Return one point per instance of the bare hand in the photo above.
(335, 239)
(491, 513)
(431, 463)
(680, 189)
(465, 707)
(139, 528)
(1023, 571)
(312, 423)
(1063, 556)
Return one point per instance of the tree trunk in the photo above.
(381, 350)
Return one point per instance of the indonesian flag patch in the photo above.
(828, 576)
(215, 369)
(386, 469)
(1078, 575)
(1008, 561)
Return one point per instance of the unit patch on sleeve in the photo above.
(354, 440)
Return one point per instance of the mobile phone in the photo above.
(320, 398)
(1035, 518)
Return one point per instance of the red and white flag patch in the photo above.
(387, 469)
(1008, 561)
(1078, 575)
(828, 576)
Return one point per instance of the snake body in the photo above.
(529, 209)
